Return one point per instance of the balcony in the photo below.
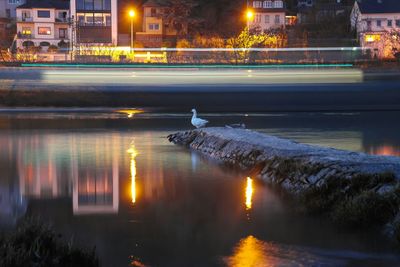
(62, 20)
(24, 19)
(24, 36)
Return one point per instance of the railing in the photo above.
(25, 19)
(62, 20)
(24, 36)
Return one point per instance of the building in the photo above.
(314, 12)
(155, 32)
(268, 15)
(375, 22)
(4, 22)
(8, 8)
(43, 23)
(94, 21)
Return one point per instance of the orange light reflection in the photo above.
(133, 152)
(249, 193)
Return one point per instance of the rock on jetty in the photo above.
(353, 189)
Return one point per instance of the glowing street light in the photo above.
(250, 17)
(132, 15)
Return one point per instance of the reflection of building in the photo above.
(373, 21)
(48, 169)
(95, 178)
(43, 23)
(268, 14)
(155, 30)
(96, 21)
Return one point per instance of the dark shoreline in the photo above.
(352, 189)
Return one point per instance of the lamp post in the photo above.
(132, 16)
(249, 16)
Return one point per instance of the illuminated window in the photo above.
(13, 2)
(26, 31)
(369, 38)
(44, 30)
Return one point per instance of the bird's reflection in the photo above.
(195, 160)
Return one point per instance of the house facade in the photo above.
(268, 15)
(375, 22)
(94, 21)
(43, 23)
(155, 32)
(8, 8)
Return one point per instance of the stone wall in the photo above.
(352, 189)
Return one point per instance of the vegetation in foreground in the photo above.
(36, 244)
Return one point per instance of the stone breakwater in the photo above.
(352, 189)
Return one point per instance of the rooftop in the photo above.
(379, 6)
(56, 4)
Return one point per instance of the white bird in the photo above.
(197, 122)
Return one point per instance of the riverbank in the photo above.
(353, 189)
(244, 90)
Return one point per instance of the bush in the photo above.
(52, 49)
(62, 44)
(397, 56)
(36, 244)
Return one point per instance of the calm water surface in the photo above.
(116, 183)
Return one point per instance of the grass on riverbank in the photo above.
(36, 244)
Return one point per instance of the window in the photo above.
(257, 18)
(397, 22)
(154, 26)
(266, 18)
(62, 33)
(26, 31)
(94, 19)
(153, 12)
(379, 23)
(104, 5)
(277, 19)
(98, 19)
(43, 13)
(257, 4)
(278, 4)
(370, 38)
(268, 4)
(44, 30)
(389, 23)
(26, 15)
(13, 2)
(62, 15)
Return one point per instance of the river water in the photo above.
(116, 183)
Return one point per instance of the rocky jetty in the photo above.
(353, 189)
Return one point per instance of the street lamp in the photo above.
(132, 15)
(249, 16)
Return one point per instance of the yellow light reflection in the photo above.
(133, 152)
(251, 252)
(249, 192)
(130, 112)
